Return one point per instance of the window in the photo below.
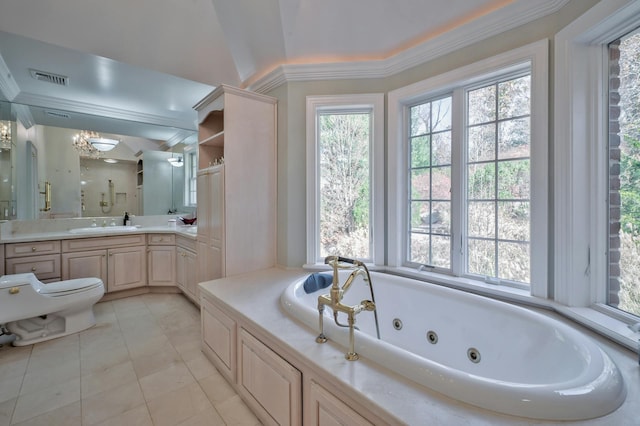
(624, 173)
(344, 155)
(464, 147)
(586, 192)
(191, 169)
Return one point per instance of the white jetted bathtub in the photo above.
(481, 351)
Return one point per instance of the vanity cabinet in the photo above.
(219, 338)
(186, 268)
(119, 261)
(236, 200)
(161, 259)
(41, 257)
(1, 259)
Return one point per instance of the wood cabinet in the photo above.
(161, 259)
(186, 268)
(219, 336)
(236, 200)
(120, 261)
(1, 259)
(322, 408)
(271, 385)
(41, 257)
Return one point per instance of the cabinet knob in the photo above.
(33, 249)
(33, 269)
(14, 290)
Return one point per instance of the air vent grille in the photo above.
(57, 114)
(50, 77)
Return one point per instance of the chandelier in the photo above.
(175, 161)
(5, 135)
(91, 144)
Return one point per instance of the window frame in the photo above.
(315, 105)
(190, 155)
(581, 242)
(535, 54)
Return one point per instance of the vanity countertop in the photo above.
(184, 231)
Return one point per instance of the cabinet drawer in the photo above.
(161, 239)
(82, 244)
(29, 249)
(269, 380)
(44, 267)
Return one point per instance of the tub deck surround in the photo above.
(255, 299)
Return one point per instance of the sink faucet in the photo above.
(335, 296)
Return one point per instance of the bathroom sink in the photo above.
(103, 229)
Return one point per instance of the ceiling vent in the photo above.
(50, 77)
(57, 114)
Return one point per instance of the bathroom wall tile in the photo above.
(69, 415)
(44, 400)
(167, 380)
(109, 378)
(138, 416)
(111, 403)
(176, 406)
(235, 413)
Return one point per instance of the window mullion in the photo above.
(458, 186)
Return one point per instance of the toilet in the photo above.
(35, 312)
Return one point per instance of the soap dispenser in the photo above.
(126, 219)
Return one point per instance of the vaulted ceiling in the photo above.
(154, 59)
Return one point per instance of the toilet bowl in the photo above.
(36, 312)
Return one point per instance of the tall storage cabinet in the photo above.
(236, 199)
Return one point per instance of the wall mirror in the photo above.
(43, 175)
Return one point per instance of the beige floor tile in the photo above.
(217, 388)
(209, 417)
(103, 360)
(69, 343)
(60, 370)
(97, 339)
(234, 412)
(149, 364)
(112, 377)
(167, 380)
(138, 416)
(201, 367)
(174, 407)
(10, 353)
(6, 411)
(14, 367)
(69, 415)
(42, 401)
(50, 358)
(10, 388)
(148, 345)
(111, 403)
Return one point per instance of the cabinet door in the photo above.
(127, 268)
(191, 280)
(272, 386)
(162, 266)
(219, 339)
(85, 265)
(181, 271)
(324, 409)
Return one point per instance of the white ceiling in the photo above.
(152, 60)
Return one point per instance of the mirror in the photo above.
(42, 174)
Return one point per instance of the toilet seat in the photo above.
(64, 288)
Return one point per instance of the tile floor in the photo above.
(140, 365)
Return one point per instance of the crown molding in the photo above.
(507, 18)
(103, 111)
(23, 115)
(8, 85)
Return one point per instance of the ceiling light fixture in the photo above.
(176, 161)
(5, 135)
(91, 144)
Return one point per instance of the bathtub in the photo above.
(474, 349)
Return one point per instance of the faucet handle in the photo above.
(368, 305)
